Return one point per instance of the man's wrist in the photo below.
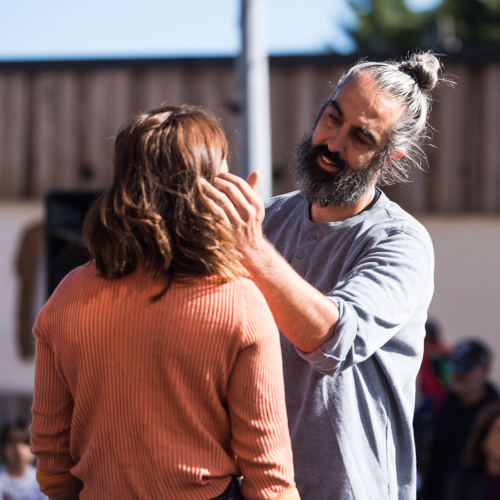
(256, 258)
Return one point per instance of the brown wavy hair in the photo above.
(474, 455)
(154, 213)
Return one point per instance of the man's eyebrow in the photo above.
(335, 104)
(369, 135)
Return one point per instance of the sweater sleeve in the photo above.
(256, 401)
(50, 429)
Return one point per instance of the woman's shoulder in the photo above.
(242, 284)
(84, 272)
(250, 290)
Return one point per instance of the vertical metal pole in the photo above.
(256, 132)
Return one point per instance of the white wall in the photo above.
(466, 300)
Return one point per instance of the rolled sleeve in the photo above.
(376, 299)
(329, 357)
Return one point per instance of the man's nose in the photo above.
(337, 141)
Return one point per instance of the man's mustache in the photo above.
(332, 156)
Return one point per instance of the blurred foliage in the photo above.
(388, 25)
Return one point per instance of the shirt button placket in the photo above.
(303, 252)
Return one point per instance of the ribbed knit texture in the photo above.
(153, 400)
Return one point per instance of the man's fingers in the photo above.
(216, 201)
(246, 189)
(234, 194)
(237, 199)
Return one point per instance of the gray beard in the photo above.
(323, 188)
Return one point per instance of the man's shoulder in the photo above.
(285, 206)
(394, 218)
(278, 202)
(394, 211)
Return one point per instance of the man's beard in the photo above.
(345, 187)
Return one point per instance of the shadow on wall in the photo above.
(27, 267)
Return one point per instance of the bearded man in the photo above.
(348, 275)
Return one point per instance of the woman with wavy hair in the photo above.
(479, 477)
(158, 366)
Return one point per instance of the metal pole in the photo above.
(256, 116)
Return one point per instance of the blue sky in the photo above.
(55, 29)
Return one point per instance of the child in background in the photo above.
(18, 474)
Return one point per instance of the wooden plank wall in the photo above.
(57, 124)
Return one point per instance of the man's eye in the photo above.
(360, 139)
(334, 118)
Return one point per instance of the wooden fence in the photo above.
(58, 120)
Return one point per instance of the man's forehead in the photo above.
(361, 101)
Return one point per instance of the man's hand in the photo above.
(238, 202)
(303, 314)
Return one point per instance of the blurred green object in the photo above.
(453, 25)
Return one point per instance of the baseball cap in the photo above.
(469, 353)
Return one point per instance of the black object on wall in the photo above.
(65, 212)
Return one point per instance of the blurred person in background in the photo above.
(479, 478)
(469, 393)
(17, 473)
(158, 367)
(434, 375)
(432, 383)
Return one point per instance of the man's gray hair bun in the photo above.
(423, 68)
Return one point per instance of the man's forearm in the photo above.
(303, 314)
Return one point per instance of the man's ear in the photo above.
(394, 156)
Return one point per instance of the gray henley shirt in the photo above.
(350, 403)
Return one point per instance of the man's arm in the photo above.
(303, 314)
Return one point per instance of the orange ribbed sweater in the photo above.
(154, 400)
